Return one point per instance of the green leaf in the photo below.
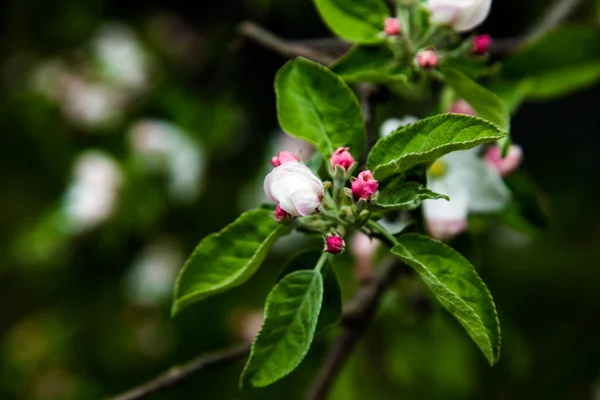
(228, 258)
(560, 62)
(331, 309)
(374, 64)
(427, 140)
(358, 21)
(455, 283)
(401, 195)
(316, 105)
(487, 105)
(291, 314)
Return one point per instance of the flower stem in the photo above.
(321, 262)
(382, 232)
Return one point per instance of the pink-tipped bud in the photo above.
(481, 44)
(280, 214)
(334, 244)
(462, 107)
(392, 27)
(284, 157)
(507, 164)
(364, 187)
(427, 59)
(342, 157)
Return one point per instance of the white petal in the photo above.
(306, 202)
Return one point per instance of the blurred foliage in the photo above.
(85, 298)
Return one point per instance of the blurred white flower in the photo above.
(461, 15)
(473, 187)
(391, 124)
(162, 144)
(91, 105)
(152, 275)
(92, 195)
(121, 57)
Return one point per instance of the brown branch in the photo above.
(554, 16)
(357, 318)
(286, 48)
(179, 373)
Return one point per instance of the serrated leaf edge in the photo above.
(495, 356)
(182, 302)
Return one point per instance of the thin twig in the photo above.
(179, 373)
(554, 16)
(286, 48)
(357, 318)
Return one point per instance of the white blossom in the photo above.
(461, 15)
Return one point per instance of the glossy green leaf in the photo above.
(291, 314)
(316, 105)
(331, 309)
(402, 195)
(427, 140)
(228, 258)
(558, 63)
(455, 283)
(358, 21)
(374, 64)
(487, 104)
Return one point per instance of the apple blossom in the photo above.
(364, 187)
(283, 157)
(343, 158)
(427, 59)
(461, 15)
(295, 188)
(334, 244)
(505, 165)
(392, 27)
(473, 187)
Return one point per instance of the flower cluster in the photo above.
(457, 16)
(299, 193)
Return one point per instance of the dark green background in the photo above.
(68, 331)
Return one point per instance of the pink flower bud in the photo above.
(462, 107)
(364, 187)
(481, 44)
(342, 157)
(334, 244)
(392, 27)
(427, 59)
(284, 157)
(504, 165)
(280, 213)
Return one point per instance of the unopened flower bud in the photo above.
(280, 214)
(392, 27)
(427, 59)
(284, 157)
(460, 106)
(334, 244)
(507, 164)
(481, 44)
(364, 187)
(343, 158)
